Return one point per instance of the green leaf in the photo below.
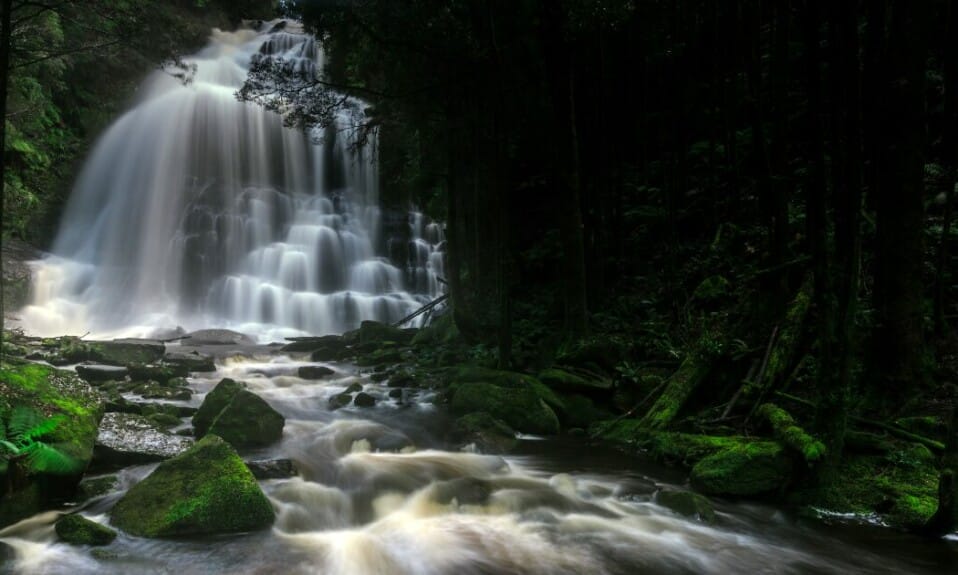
(43, 458)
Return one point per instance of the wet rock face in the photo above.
(206, 490)
(128, 439)
(688, 504)
(248, 421)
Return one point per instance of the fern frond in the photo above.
(44, 458)
(8, 448)
(27, 425)
(22, 419)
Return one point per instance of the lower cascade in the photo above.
(195, 209)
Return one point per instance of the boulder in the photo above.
(519, 407)
(340, 400)
(363, 399)
(487, 433)
(92, 487)
(219, 337)
(376, 332)
(100, 373)
(248, 421)
(687, 504)
(206, 490)
(124, 352)
(156, 390)
(330, 350)
(332, 342)
(744, 469)
(213, 404)
(192, 361)
(128, 439)
(78, 530)
(272, 469)
(315, 372)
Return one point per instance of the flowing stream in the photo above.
(381, 493)
(196, 210)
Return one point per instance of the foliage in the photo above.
(21, 443)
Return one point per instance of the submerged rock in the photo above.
(248, 421)
(128, 439)
(487, 433)
(92, 487)
(272, 469)
(688, 504)
(363, 399)
(78, 530)
(315, 372)
(207, 490)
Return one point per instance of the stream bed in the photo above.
(380, 492)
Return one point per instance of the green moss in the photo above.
(519, 407)
(508, 379)
(563, 380)
(213, 404)
(746, 469)
(680, 387)
(490, 435)
(248, 421)
(788, 431)
(208, 489)
(900, 486)
(78, 530)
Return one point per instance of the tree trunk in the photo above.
(945, 519)
(949, 158)
(6, 44)
(898, 352)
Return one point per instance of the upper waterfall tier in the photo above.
(197, 209)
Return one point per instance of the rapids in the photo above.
(380, 492)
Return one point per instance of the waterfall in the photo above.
(197, 210)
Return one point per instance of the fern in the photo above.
(44, 458)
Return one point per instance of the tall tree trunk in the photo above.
(949, 157)
(898, 352)
(6, 45)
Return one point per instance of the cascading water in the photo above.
(198, 210)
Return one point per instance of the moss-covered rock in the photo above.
(508, 379)
(92, 487)
(78, 530)
(314, 372)
(206, 490)
(363, 399)
(441, 331)
(340, 400)
(213, 404)
(900, 485)
(100, 373)
(50, 392)
(519, 407)
(248, 421)
(125, 352)
(685, 449)
(376, 332)
(191, 361)
(688, 504)
(488, 434)
(746, 469)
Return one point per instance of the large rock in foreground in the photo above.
(207, 490)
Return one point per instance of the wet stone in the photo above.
(100, 373)
(127, 439)
(315, 372)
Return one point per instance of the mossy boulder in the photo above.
(488, 434)
(213, 404)
(53, 393)
(100, 373)
(508, 379)
(78, 530)
(687, 503)
(441, 331)
(363, 399)
(746, 469)
(248, 421)
(125, 352)
(519, 407)
(314, 372)
(376, 332)
(207, 490)
(92, 487)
